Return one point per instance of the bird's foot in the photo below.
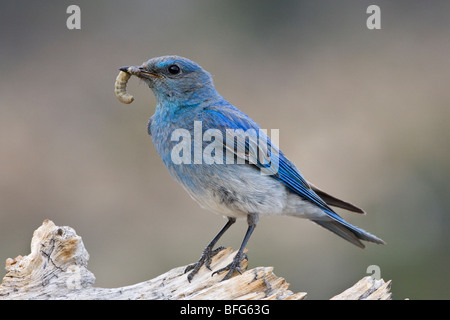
(205, 259)
(235, 265)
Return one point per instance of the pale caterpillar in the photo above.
(120, 88)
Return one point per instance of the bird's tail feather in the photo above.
(348, 232)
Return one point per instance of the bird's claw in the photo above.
(235, 265)
(205, 259)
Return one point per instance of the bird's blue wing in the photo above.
(289, 175)
(228, 117)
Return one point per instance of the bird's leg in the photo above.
(208, 252)
(235, 265)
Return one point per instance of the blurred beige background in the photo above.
(364, 115)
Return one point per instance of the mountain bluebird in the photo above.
(265, 183)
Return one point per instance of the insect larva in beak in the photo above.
(120, 88)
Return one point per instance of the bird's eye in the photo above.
(174, 69)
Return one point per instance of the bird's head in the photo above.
(175, 79)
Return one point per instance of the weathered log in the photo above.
(56, 268)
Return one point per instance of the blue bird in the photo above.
(263, 183)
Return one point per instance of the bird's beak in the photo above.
(125, 69)
(140, 72)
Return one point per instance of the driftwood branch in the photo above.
(56, 268)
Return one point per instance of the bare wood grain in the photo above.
(56, 268)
